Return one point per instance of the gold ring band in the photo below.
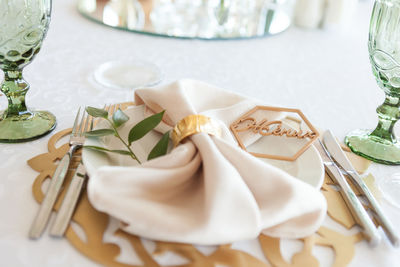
(194, 124)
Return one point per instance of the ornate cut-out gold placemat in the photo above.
(94, 224)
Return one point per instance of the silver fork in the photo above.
(76, 141)
(70, 201)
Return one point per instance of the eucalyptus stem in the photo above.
(133, 156)
(138, 131)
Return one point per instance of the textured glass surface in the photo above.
(384, 45)
(23, 26)
(381, 145)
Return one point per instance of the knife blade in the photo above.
(341, 159)
(68, 205)
(357, 209)
(46, 207)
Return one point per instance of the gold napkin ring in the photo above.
(194, 124)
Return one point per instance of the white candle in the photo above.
(309, 13)
(338, 12)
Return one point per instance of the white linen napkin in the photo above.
(206, 191)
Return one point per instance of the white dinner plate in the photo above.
(308, 167)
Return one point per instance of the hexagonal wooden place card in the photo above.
(271, 122)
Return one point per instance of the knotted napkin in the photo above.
(207, 190)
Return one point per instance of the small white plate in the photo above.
(308, 167)
(127, 74)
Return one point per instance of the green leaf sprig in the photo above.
(137, 132)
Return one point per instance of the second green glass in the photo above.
(381, 145)
(25, 24)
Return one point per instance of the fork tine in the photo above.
(112, 110)
(81, 126)
(91, 123)
(107, 108)
(117, 106)
(95, 121)
(88, 122)
(75, 127)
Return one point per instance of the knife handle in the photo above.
(357, 209)
(380, 216)
(67, 207)
(43, 215)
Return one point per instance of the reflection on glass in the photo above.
(206, 19)
(88, 5)
(124, 12)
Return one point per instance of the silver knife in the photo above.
(357, 209)
(340, 157)
(46, 207)
(69, 203)
(76, 140)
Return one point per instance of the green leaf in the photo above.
(145, 126)
(160, 149)
(102, 149)
(96, 112)
(119, 118)
(100, 132)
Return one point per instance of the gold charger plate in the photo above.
(94, 224)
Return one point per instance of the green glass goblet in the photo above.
(24, 26)
(381, 144)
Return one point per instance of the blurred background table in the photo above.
(326, 74)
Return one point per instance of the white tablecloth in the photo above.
(324, 73)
